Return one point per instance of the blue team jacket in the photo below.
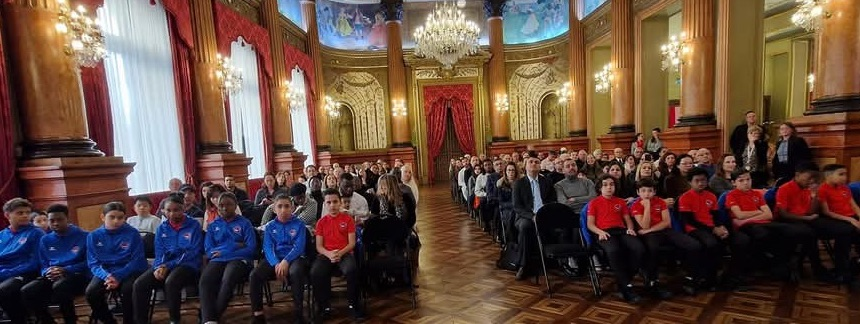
(19, 251)
(66, 251)
(284, 241)
(117, 253)
(179, 248)
(223, 236)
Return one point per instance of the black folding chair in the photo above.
(398, 259)
(556, 226)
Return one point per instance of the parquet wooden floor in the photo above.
(459, 283)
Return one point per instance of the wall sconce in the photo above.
(810, 80)
(230, 77)
(84, 39)
(502, 103)
(809, 14)
(603, 79)
(398, 108)
(673, 52)
(564, 93)
(332, 107)
(296, 96)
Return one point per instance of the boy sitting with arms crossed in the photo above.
(335, 240)
(655, 230)
(837, 203)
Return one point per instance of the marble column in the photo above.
(216, 157)
(501, 120)
(286, 157)
(60, 163)
(697, 71)
(309, 17)
(622, 55)
(393, 10)
(577, 115)
(837, 69)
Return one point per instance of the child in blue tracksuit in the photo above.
(178, 257)
(63, 258)
(284, 247)
(19, 257)
(230, 244)
(116, 258)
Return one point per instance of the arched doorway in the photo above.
(552, 121)
(343, 130)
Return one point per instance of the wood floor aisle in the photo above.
(459, 283)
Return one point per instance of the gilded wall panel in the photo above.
(363, 93)
(528, 85)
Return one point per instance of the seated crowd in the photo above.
(640, 204)
(208, 245)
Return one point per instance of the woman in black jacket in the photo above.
(791, 150)
(753, 157)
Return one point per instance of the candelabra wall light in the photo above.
(809, 14)
(810, 80)
(230, 76)
(296, 96)
(673, 52)
(398, 108)
(84, 39)
(502, 103)
(603, 79)
(564, 93)
(332, 107)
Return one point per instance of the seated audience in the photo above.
(721, 181)
(230, 244)
(178, 256)
(530, 193)
(64, 274)
(144, 221)
(283, 251)
(19, 257)
(189, 199)
(358, 206)
(837, 204)
(264, 195)
(703, 161)
(393, 216)
(204, 194)
(115, 255)
(40, 220)
(335, 241)
(306, 208)
(230, 185)
(624, 190)
(676, 184)
(506, 202)
(609, 221)
(407, 177)
(699, 211)
(174, 184)
(574, 191)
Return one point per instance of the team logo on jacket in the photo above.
(617, 207)
(52, 249)
(293, 232)
(22, 240)
(343, 225)
(124, 245)
(237, 229)
(187, 236)
(709, 203)
(76, 249)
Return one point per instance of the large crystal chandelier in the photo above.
(446, 36)
(84, 39)
(809, 13)
(230, 76)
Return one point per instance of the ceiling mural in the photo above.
(530, 21)
(590, 6)
(351, 26)
(291, 9)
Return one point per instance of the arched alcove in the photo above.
(552, 117)
(343, 129)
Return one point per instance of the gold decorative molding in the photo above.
(294, 35)
(538, 51)
(247, 8)
(597, 24)
(528, 85)
(639, 5)
(363, 93)
(464, 72)
(417, 63)
(359, 60)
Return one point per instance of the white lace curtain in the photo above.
(246, 112)
(300, 121)
(139, 69)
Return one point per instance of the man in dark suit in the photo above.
(530, 193)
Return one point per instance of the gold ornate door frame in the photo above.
(423, 72)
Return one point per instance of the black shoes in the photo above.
(569, 271)
(357, 312)
(658, 292)
(521, 273)
(259, 319)
(629, 296)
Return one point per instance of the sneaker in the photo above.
(629, 296)
(357, 312)
(658, 292)
(323, 314)
(689, 286)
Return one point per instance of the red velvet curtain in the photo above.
(182, 76)
(97, 99)
(436, 115)
(461, 111)
(229, 25)
(8, 162)
(266, 105)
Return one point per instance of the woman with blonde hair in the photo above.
(392, 216)
(407, 178)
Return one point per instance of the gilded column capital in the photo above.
(392, 10)
(494, 8)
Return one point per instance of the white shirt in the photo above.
(145, 224)
(481, 185)
(358, 205)
(461, 180)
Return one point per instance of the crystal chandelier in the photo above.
(446, 36)
(398, 108)
(809, 14)
(84, 39)
(296, 96)
(564, 93)
(603, 79)
(230, 77)
(502, 103)
(332, 107)
(672, 52)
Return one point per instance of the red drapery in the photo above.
(8, 163)
(182, 76)
(438, 99)
(97, 99)
(181, 13)
(229, 25)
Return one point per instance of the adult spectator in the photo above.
(753, 157)
(654, 145)
(230, 184)
(739, 140)
(791, 150)
(529, 195)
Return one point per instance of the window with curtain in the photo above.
(246, 112)
(139, 70)
(301, 122)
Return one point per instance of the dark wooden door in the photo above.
(450, 150)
